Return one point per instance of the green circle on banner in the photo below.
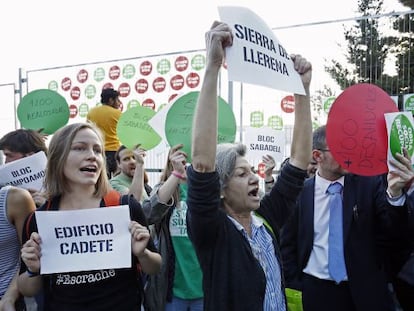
(99, 74)
(179, 122)
(83, 110)
(401, 136)
(90, 91)
(133, 103)
(128, 71)
(163, 66)
(198, 62)
(43, 109)
(275, 122)
(53, 85)
(409, 104)
(133, 128)
(256, 119)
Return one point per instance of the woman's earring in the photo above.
(222, 196)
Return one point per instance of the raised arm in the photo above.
(137, 185)
(301, 148)
(204, 140)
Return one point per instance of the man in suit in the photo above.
(356, 278)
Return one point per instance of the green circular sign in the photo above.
(90, 91)
(198, 62)
(256, 119)
(179, 122)
(83, 110)
(275, 122)
(99, 74)
(133, 128)
(401, 135)
(133, 103)
(163, 66)
(43, 109)
(53, 86)
(409, 104)
(128, 71)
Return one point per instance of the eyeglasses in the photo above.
(324, 150)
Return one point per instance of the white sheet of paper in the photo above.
(265, 140)
(84, 239)
(256, 56)
(26, 172)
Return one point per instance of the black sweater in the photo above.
(232, 278)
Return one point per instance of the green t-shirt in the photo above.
(188, 276)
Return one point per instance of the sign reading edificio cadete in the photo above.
(256, 56)
(84, 239)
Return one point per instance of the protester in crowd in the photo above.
(22, 143)
(132, 177)
(106, 118)
(76, 179)
(329, 250)
(238, 253)
(15, 205)
(179, 282)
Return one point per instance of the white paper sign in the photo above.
(25, 173)
(256, 56)
(84, 239)
(264, 140)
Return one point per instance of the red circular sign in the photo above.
(193, 79)
(356, 132)
(288, 104)
(149, 103)
(181, 63)
(108, 85)
(114, 72)
(145, 68)
(124, 89)
(66, 84)
(261, 170)
(177, 82)
(141, 86)
(159, 84)
(73, 111)
(82, 76)
(75, 93)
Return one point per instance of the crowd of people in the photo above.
(206, 237)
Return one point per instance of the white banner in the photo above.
(84, 239)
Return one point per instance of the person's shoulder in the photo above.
(19, 201)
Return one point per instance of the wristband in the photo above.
(270, 181)
(178, 175)
(32, 274)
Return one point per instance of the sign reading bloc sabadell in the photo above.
(43, 109)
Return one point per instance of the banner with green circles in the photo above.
(43, 109)
(179, 122)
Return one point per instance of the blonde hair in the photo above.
(55, 180)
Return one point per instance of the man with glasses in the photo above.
(330, 247)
